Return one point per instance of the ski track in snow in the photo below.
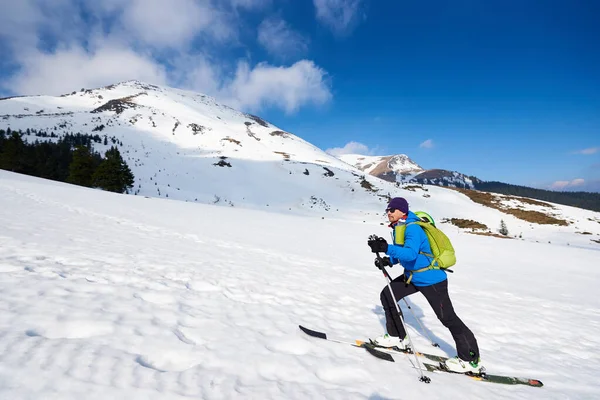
(98, 302)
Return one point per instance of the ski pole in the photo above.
(423, 378)
(434, 344)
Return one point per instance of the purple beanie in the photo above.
(399, 203)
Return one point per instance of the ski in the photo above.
(502, 379)
(395, 350)
(387, 354)
(371, 347)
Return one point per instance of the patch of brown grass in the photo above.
(535, 217)
(476, 228)
(484, 198)
(585, 233)
(529, 201)
(387, 197)
(285, 155)
(493, 201)
(232, 141)
(367, 185)
(413, 188)
(466, 223)
(497, 235)
(595, 240)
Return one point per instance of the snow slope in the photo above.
(173, 140)
(127, 297)
(179, 145)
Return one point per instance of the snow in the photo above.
(170, 161)
(107, 295)
(201, 294)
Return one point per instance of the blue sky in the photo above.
(503, 90)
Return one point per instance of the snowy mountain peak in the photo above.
(385, 167)
(187, 146)
(183, 118)
(401, 168)
(402, 162)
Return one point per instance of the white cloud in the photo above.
(428, 144)
(18, 22)
(23, 22)
(588, 151)
(199, 73)
(276, 36)
(69, 69)
(577, 182)
(350, 148)
(174, 23)
(559, 185)
(161, 24)
(283, 87)
(341, 16)
(151, 40)
(564, 185)
(151, 23)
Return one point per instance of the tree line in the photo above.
(585, 200)
(68, 159)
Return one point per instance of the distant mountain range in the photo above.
(401, 168)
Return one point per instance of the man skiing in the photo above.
(432, 283)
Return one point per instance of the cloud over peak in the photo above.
(180, 43)
(562, 185)
(350, 148)
(428, 144)
(588, 151)
(341, 16)
(280, 40)
(72, 68)
(283, 87)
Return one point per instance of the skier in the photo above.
(432, 283)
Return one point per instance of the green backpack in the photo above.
(443, 256)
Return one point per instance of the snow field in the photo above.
(108, 295)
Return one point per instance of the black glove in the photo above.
(383, 262)
(377, 244)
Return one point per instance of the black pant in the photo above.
(439, 299)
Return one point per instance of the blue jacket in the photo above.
(415, 241)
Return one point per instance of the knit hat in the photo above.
(399, 203)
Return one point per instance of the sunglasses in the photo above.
(390, 210)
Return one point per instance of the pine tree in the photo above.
(82, 167)
(12, 157)
(113, 174)
(503, 229)
(126, 175)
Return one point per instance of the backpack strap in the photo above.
(418, 270)
(423, 270)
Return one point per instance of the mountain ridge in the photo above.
(186, 146)
(411, 172)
